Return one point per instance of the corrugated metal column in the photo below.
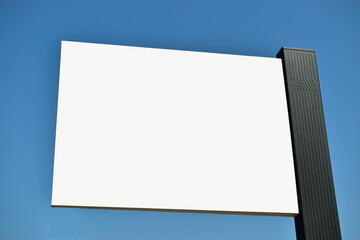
(318, 219)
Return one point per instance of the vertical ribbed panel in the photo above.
(318, 218)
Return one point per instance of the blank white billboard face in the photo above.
(142, 128)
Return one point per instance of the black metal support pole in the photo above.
(318, 218)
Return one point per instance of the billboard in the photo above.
(168, 130)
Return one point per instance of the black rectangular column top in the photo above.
(318, 218)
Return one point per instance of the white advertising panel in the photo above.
(144, 128)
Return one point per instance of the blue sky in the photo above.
(30, 35)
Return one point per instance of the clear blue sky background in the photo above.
(30, 35)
